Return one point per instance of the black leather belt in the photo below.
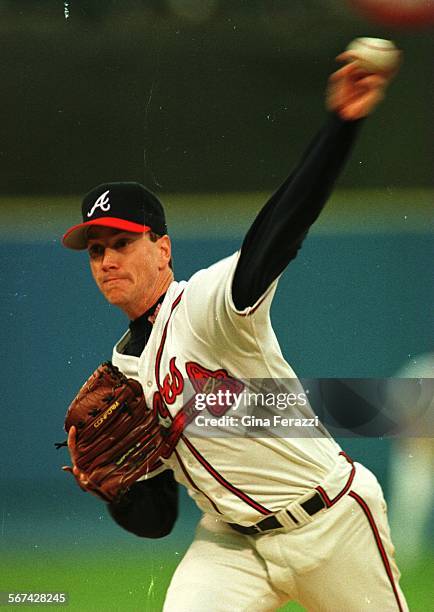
(312, 505)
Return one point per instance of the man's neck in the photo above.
(160, 288)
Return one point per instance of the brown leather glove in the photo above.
(117, 438)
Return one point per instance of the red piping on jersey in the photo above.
(157, 377)
(243, 496)
(330, 502)
(379, 543)
(163, 341)
(220, 479)
(193, 484)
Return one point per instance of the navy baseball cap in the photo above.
(124, 206)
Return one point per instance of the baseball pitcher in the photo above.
(284, 518)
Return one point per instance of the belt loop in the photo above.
(322, 497)
(300, 513)
(286, 521)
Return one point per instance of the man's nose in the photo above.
(109, 259)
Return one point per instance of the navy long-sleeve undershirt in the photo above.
(282, 224)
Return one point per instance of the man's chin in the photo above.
(115, 298)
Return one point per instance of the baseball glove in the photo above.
(117, 438)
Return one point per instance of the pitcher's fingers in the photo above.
(72, 436)
(349, 71)
(373, 81)
(346, 56)
(72, 442)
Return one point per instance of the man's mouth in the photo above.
(112, 279)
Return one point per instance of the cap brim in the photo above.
(76, 236)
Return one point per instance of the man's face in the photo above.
(126, 266)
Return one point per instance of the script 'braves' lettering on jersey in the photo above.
(103, 202)
(203, 381)
(200, 337)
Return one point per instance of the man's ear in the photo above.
(165, 249)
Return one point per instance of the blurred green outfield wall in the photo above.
(129, 90)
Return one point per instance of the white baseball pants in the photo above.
(340, 560)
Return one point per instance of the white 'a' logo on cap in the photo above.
(102, 202)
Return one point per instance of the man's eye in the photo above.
(96, 251)
(121, 243)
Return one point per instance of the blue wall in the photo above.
(352, 306)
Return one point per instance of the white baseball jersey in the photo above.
(199, 330)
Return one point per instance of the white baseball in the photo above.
(375, 54)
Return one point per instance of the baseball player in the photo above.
(284, 518)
